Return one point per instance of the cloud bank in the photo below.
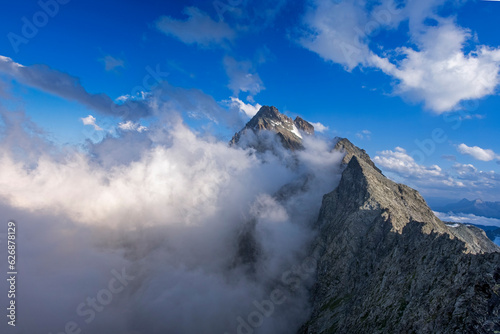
(177, 212)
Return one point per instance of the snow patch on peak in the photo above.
(295, 131)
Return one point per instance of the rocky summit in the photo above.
(268, 118)
(385, 262)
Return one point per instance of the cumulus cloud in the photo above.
(242, 77)
(441, 74)
(199, 28)
(477, 152)
(196, 222)
(90, 120)
(457, 181)
(476, 178)
(320, 127)
(400, 162)
(63, 85)
(436, 69)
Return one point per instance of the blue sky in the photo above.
(415, 83)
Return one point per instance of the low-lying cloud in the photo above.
(177, 212)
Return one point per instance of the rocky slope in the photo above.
(386, 264)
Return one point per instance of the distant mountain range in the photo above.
(476, 207)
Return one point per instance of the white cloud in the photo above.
(465, 218)
(248, 109)
(175, 217)
(435, 70)
(320, 127)
(242, 77)
(63, 85)
(440, 74)
(477, 178)
(400, 162)
(142, 95)
(90, 120)
(461, 180)
(131, 126)
(111, 63)
(333, 32)
(464, 169)
(364, 134)
(477, 152)
(198, 28)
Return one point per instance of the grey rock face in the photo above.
(386, 264)
(270, 119)
(474, 236)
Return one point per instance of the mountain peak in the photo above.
(268, 118)
(268, 112)
(304, 125)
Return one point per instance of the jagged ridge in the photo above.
(387, 264)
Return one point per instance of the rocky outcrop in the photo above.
(303, 125)
(270, 119)
(386, 264)
(350, 150)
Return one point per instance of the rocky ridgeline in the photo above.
(386, 263)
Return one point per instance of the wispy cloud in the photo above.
(364, 134)
(242, 77)
(199, 28)
(68, 87)
(111, 63)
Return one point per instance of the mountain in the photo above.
(270, 119)
(476, 207)
(384, 262)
